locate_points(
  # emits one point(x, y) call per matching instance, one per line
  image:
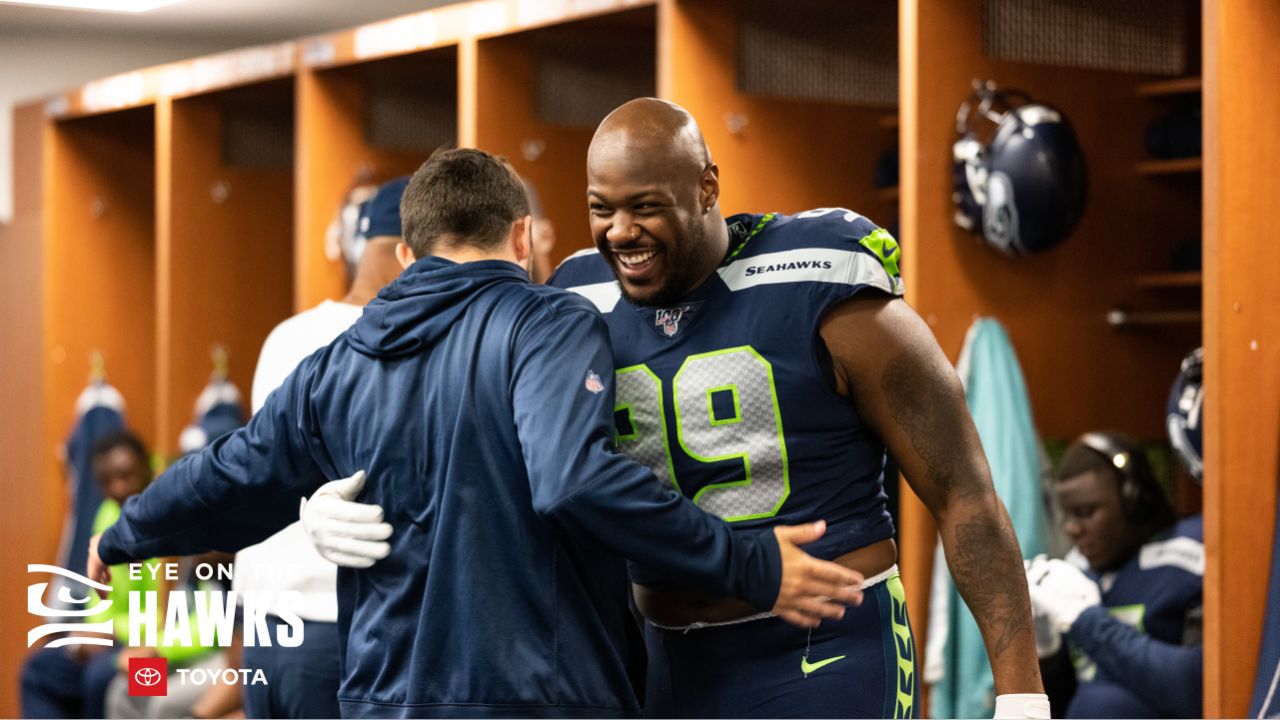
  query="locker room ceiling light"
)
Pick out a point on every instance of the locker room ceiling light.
point(118, 6)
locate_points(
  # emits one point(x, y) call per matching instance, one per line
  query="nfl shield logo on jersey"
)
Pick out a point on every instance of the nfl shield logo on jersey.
point(593, 383)
point(669, 320)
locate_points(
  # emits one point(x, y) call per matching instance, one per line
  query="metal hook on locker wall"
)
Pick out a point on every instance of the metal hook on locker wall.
point(221, 359)
point(532, 148)
point(97, 367)
point(736, 122)
point(220, 191)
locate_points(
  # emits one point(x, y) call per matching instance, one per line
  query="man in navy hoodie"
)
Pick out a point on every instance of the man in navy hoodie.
point(482, 408)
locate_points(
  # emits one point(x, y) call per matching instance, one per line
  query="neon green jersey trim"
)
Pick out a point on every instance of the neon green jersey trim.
point(905, 703)
point(768, 218)
point(885, 248)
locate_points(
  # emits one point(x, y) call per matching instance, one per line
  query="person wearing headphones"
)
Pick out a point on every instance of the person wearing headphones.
point(1127, 598)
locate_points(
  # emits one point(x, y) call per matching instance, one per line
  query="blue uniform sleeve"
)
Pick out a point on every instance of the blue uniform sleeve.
point(236, 492)
point(1164, 675)
point(563, 395)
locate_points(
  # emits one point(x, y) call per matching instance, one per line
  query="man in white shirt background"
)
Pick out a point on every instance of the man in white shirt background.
point(303, 681)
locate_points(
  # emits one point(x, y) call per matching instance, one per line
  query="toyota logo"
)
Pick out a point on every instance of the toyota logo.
point(147, 677)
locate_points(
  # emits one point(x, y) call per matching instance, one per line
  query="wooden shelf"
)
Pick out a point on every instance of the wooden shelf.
point(1169, 88)
point(888, 121)
point(889, 194)
point(1170, 167)
point(1169, 280)
point(1121, 317)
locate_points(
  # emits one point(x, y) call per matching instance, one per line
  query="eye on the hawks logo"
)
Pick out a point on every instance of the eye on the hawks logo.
point(594, 383)
point(148, 677)
point(669, 320)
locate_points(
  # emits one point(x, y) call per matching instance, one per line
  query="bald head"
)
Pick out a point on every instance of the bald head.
point(650, 129)
point(653, 193)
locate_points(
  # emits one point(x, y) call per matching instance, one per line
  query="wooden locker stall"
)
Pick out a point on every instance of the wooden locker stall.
point(793, 105)
point(1242, 340)
point(362, 122)
point(99, 292)
point(32, 524)
point(1082, 373)
point(225, 238)
point(540, 94)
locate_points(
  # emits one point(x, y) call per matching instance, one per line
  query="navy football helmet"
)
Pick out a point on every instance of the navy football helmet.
point(1023, 189)
point(1185, 415)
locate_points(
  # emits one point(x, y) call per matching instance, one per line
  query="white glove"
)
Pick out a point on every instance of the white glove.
point(1022, 705)
point(1048, 640)
point(1060, 592)
point(346, 533)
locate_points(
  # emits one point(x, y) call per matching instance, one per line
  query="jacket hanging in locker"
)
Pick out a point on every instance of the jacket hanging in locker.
point(955, 658)
point(99, 412)
point(219, 410)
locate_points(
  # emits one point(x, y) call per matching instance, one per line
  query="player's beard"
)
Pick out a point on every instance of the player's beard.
point(681, 266)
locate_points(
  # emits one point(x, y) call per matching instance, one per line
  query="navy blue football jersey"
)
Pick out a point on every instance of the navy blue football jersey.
point(1140, 653)
point(728, 394)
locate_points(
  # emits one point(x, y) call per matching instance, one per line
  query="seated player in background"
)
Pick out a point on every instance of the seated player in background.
point(187, 699)
point(72, 681)
point(1128, 597)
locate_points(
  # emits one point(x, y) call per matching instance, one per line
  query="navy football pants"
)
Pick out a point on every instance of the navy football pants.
point(57, 685)
point(860, 666)
point(302, 682)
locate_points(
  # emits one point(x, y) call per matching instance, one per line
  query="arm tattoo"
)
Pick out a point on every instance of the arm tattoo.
point(935, 437)
point(996, 594)
point(984, 556)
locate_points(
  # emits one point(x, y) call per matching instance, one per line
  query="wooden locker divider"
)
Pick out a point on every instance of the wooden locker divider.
point(1081, 374)
point(774, 154)
point(334, 153)
point(552, 157)
point(99, 269)
point(31, 527)
point(1242, 340)
point(225, 243)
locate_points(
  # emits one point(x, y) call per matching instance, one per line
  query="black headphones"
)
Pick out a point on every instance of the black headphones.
point(1139, 493)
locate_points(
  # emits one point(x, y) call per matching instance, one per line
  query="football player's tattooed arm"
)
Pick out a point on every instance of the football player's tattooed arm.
point(887, 361)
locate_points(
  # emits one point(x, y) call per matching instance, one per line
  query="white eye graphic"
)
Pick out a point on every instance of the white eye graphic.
point(67, 581)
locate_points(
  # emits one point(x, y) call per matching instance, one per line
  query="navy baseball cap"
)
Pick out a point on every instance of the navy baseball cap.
point(381, 214)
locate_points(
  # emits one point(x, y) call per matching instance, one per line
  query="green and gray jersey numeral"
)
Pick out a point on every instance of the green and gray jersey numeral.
point(752, 433)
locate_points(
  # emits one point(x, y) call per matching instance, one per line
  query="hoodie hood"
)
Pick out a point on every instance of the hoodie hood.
point(419, 307)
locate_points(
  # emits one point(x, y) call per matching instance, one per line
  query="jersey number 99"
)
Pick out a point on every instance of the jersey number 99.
point(751, 432)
